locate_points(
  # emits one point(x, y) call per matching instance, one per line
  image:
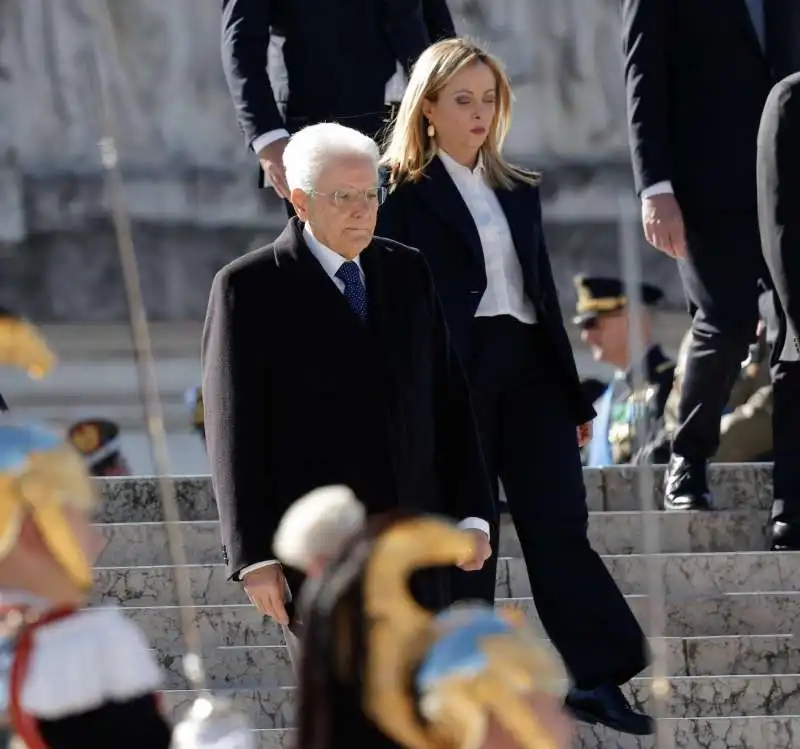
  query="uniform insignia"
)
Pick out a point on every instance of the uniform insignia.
point(584, 295)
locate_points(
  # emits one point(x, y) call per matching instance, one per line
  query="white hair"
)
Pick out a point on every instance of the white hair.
point(309, 149)
point(317, 525)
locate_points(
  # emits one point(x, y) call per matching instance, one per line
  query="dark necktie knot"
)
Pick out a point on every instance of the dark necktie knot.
point(354, 290)
point(349, 272)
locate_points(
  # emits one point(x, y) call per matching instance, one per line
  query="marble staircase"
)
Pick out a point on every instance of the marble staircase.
point(731, 607)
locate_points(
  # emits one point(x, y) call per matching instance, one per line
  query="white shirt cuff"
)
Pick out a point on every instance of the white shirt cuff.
point(659, 188)
point(268, 138)
point(475, 524)
point(256, 566)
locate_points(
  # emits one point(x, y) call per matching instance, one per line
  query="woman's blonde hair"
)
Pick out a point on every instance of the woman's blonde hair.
point(409, 149)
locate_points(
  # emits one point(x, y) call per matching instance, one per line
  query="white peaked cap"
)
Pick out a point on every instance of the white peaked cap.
point(317, 525)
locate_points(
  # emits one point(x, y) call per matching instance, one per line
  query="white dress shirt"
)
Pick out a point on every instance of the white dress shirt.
point(331, 262)
point(505, 287)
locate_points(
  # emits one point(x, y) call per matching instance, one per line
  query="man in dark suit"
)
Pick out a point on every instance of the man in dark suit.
point(778, 170)
point(326, 360)
point(698, 73)
point(338, 56)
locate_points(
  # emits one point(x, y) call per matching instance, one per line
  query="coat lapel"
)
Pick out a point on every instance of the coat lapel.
point(442, 196)
point(521, 227)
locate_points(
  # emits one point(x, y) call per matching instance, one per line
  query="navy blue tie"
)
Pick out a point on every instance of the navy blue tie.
point(354, 290)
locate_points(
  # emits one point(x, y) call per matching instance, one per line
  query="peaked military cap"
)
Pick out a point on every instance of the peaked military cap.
point(95, 439)
point(599, 295)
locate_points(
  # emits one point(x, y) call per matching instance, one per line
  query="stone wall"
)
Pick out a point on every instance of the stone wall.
point(190, 181)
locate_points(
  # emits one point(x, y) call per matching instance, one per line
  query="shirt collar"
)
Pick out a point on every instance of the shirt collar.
point(456, 170)
point(329, 260)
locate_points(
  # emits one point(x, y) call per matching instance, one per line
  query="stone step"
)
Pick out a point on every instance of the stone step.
point(735, 487)
point(728, 614)
point(684, 576)
point(131, 544)
point(252, 666)
point(751, 732)
point(690, 697)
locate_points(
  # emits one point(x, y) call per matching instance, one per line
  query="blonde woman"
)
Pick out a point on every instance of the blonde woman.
point(478, 221)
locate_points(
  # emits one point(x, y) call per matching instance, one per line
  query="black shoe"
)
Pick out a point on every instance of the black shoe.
point(607, 705)
point(785, 528)
point(686, 485)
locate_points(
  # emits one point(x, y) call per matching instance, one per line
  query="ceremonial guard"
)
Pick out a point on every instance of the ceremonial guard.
point(379, 670)
point(98, 440)
point(70, 676)
point(602, 313)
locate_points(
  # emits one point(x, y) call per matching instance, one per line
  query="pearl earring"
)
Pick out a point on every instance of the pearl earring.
point(431, 130)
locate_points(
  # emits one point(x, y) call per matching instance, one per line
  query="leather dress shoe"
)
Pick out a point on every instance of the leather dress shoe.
point(607, 705)
point(785, 529)
point(686, 485)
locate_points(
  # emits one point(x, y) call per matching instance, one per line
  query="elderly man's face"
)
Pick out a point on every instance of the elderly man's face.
point(343, 208)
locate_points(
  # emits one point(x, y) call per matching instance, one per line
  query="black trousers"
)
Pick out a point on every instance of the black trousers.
point(531, 444)
point(721, 278)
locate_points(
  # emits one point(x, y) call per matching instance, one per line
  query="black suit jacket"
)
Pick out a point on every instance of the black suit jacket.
point(338, 56)
point(779, 206)
point(432, 216)
point(298, 393)
point(697, 79)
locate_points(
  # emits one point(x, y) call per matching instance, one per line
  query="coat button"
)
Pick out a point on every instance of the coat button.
point(474, 291)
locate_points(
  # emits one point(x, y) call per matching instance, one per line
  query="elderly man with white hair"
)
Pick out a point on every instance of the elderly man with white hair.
point(326, 360)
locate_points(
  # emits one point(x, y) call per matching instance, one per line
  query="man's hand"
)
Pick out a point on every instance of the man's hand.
point(271, 158)
point(483, 550)
point(584, 434)
point(663, 225)
point(266, 589)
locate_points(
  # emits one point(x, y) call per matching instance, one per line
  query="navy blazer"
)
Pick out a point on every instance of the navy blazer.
point(432, 216)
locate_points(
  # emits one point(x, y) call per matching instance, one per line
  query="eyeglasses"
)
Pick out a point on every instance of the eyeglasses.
point(353, 198)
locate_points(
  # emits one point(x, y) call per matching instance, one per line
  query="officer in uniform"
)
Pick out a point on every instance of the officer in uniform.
point(98, 440)
point(603, 316)
point(194, 401)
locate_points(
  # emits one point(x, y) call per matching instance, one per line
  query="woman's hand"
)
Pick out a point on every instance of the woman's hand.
point(584, 434)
